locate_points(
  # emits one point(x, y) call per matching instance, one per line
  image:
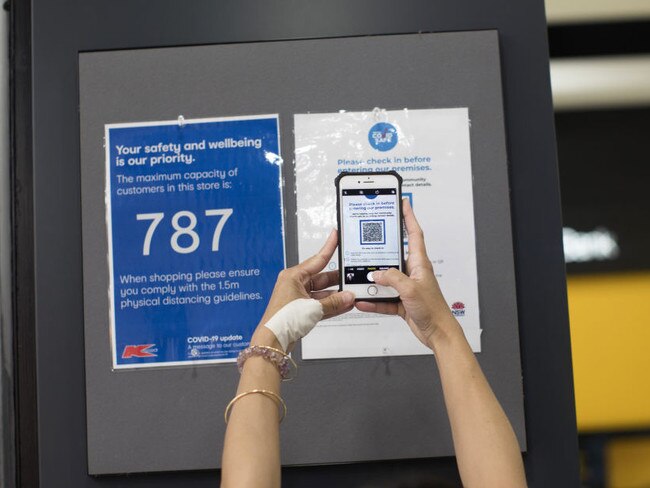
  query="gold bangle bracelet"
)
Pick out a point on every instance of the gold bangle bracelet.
point(267, 393)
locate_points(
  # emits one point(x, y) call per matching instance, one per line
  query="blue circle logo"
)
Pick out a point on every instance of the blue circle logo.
point(383, 136)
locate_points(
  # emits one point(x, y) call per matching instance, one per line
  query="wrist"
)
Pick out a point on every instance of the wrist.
point(265, 337)
point(446, 331)
point(258, 368)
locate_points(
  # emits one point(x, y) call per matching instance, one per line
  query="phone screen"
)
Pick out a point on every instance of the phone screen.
point(371, 232)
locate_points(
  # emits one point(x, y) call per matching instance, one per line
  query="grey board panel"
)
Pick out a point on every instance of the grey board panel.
point(340, 410)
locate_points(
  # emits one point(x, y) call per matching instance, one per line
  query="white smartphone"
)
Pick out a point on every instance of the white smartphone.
point(369, 211)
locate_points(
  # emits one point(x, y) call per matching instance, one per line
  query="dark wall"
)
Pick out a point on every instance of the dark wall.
point(603, 157)
point(604, 175)
point(49, 315)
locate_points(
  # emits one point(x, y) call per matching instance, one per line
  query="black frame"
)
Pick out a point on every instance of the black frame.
point(50, 385)
point(22, 196)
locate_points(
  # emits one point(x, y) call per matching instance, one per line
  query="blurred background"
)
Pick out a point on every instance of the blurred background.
point(600, 72)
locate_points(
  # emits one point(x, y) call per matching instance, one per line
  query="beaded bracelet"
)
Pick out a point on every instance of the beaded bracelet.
point(282, 361)
point(267, 393)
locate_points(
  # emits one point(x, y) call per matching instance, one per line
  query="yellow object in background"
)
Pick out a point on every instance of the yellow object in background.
point(628, 463)
point(610, 341)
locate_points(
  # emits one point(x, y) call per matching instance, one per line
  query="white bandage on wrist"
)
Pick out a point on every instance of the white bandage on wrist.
point(295, 320)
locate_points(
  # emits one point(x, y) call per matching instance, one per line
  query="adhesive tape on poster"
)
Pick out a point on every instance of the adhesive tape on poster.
point(295, 320)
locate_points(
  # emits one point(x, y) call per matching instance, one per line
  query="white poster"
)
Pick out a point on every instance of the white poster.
point(430, 149)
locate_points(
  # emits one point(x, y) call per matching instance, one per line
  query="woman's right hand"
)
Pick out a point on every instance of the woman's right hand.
point(486, 447)
point(421, 303)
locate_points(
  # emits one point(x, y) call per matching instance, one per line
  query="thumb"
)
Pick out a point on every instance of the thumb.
point(395, 278)
point(337, 303)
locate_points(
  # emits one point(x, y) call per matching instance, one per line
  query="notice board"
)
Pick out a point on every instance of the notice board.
point(341, 410)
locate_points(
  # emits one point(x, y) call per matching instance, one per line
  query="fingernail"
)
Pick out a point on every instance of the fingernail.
point(347, 297)
point(376, 275)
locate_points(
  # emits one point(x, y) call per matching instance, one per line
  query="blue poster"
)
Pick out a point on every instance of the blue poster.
point(196, 238)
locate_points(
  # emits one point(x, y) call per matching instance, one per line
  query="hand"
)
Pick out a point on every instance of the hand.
point(421, 302)
point(306, 280)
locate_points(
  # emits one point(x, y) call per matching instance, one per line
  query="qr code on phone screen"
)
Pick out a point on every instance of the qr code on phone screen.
point(372, 232)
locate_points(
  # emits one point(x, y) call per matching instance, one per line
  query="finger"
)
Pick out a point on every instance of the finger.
point(386, 308)
point(417, 248)
point(404, 285)
point(324, 280)
point(319, 295)
point(337, 303)
point(318, 261)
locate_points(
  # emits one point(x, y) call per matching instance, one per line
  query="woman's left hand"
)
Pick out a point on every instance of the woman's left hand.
point(306, 280)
